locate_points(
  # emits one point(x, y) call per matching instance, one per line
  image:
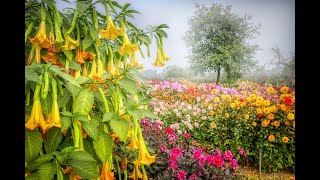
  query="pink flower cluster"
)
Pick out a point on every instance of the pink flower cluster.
point(174, 154)
point(217, 160)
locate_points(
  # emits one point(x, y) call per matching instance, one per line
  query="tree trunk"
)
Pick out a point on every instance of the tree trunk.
point(218, 77)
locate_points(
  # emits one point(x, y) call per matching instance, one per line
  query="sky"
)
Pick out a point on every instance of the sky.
point(276, 17)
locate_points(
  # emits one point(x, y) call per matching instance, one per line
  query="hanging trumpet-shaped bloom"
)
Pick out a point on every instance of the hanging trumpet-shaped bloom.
point(93, 71)
point(159, 60)
point(36, 118)
point(79, 57)
point(118, 66)
point(134, 143)
point(127, 47)
point(144, 156)
point(136, 173)
point(53, 118)
point(87, 55)
point(163, 55)
point(84, 70)
point(100, 67)
point(70, 43)
point(106, 173)
point(112, 32)
point(134, 61)
point(110, 68)
point(41, 37)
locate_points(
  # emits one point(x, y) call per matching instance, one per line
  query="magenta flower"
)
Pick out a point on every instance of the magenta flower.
point(217, 150)
point(163, 148)
point(233, 163)
point(242, 152)
point(196, 154)
point(187, 135)
point(193, 176)
point(202, 160)
point(228, 155)
point(181, 175)
point(176, 151)
point(172, 166)
point(173, 158)
point(218, 160)
point(209, 159)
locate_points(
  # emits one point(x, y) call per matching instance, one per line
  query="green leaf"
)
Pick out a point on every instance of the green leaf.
point(82, 7)
point(161, 32)
point(162, 26)
point(144, 38)
point(46, 104)
point(44, 158)
point(106, 76)
point(94, 32)
point(63, 75)
point(80, 117)
point(85, 169)
point(84, 102)
point(68, 54)
point(131, 25)
point(81, 156)
point(136, 113)
point(47, 171)
point(83, 79)
point(62, 58)
point(67, 1)
point(87, 42)
point(145, 101)
point(129, 85)
point(125, 6)
point(133, 11)
point(31, 74)
point(63, 100)
point(88, 146)
point(53, 138)
point(74, 90)
point(67, 114)
point(149, 114)
point(65, 123)
point(33, 144)
point(108, 116)
point(74, 65)
point(91, 128)
point(33, 176)
point(120, 127)
point(103, 146)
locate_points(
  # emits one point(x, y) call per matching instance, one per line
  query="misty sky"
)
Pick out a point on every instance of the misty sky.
point(276, 17)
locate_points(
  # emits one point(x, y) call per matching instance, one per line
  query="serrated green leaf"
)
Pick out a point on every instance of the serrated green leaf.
point(74, 90)
point(83, 102)
point(31, 74)
point(67, 114)
point(83, 79)
point(87, 42)
point(80, 117)
point(46, 104)
point(85, 169)
point(82, 7)
point(74, 65)
point(88, 146)
point(81, 156)
point(120, 127)
point(129, 85)
point(47, 171)
point(149, 114)
point(65, 123)
point(108, 116)
point(33, 144)
point(103, 146)
point(91, 128)
point(53, 138)
point(33, 176)
point(44, 158)
point(63, 100)
point(63, 75)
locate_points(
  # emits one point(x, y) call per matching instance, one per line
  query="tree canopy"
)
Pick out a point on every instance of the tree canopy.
point(217, 40)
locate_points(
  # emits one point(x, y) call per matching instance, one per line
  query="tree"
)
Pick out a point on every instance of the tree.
point(217, 40)
point(287, 63)
point(174, 72)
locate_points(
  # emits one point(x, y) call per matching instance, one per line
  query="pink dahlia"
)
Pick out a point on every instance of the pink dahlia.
point(228, 155)
point(176, 151)
point(233, 163)
point(218, 160)
point(181, 175)
point(196, 154)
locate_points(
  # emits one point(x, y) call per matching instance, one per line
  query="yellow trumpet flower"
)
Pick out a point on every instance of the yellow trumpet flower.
point(112, 32)
point(159, 60)
point(136, 173)
point(41, 37)
point(84, 70)
point(53, 118)
point(134, 143)
point(93, 71)
point(163, 55)
point(134, 61)
point(79, 57)
point(118, 66)
point(127, 47)
point(100, 68)
point(106, 173)
point(70, 43)
point(36, 119)
point(144, 156)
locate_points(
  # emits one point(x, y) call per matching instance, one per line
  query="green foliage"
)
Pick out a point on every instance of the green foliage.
point(52, 140)
point(103, 146)
point(33, 144)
